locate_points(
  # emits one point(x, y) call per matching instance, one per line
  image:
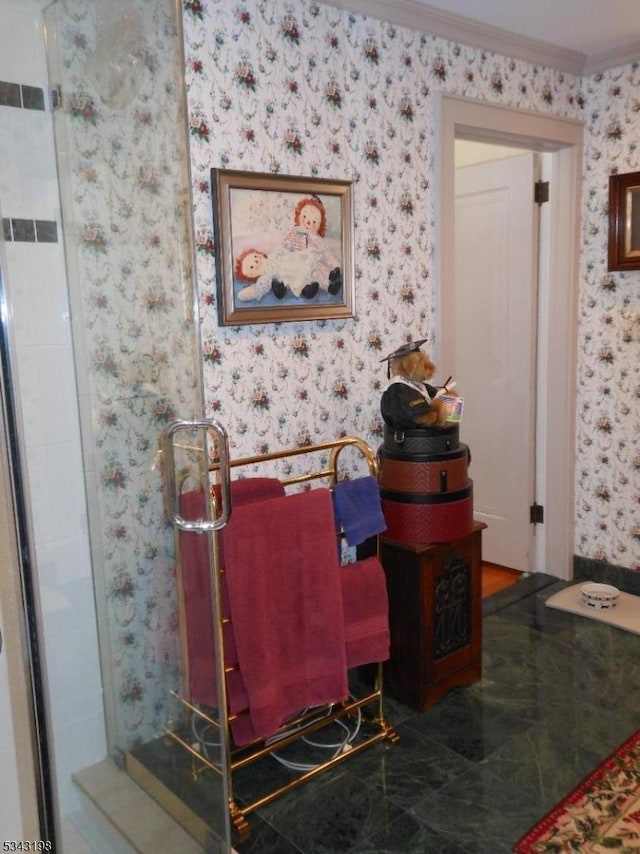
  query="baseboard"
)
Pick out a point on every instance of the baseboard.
point(588, 569)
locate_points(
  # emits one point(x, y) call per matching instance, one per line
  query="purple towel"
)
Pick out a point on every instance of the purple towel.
point(357, 509)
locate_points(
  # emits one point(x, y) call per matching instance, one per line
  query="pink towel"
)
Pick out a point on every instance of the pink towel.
point(366, 612)
point(285, 593)
point(198, 632)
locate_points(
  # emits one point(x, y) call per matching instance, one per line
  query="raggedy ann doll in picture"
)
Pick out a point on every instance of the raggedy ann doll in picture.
point(308, 233)
point(261, 273)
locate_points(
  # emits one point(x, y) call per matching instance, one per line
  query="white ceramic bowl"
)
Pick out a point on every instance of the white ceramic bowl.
point(596, 595)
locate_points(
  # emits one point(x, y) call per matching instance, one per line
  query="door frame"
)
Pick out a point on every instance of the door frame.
point(464, 118)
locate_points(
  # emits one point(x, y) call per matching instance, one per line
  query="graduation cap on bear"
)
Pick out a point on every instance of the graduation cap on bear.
point(402, 351)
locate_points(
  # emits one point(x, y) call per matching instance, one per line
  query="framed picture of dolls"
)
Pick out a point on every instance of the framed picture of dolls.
point(283, 247)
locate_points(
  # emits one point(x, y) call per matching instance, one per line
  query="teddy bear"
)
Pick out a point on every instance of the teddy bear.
point(409, 401)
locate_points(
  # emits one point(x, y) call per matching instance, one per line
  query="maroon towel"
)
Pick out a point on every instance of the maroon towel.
point(285, 593)
point(196, 582)
point(366, 612)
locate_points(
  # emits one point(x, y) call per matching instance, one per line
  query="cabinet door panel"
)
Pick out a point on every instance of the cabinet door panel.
point(435, 615)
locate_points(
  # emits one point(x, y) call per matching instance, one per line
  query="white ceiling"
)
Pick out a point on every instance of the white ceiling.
point(580, 36)
point(586, 26)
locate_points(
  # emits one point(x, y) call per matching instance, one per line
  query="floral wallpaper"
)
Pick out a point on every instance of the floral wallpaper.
point(298, 88)
point(608, 403)
point(304, 89)
point(123, 174)
point(301, 88)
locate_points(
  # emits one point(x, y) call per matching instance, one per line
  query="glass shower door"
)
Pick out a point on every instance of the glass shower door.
point(116, 71)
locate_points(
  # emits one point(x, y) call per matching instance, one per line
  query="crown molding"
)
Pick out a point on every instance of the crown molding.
point(621, 55)
point(417, 16)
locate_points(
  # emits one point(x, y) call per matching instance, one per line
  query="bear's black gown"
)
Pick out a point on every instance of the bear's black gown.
point(402, 403)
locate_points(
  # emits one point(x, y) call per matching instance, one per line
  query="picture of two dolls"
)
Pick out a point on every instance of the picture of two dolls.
point(283, 247)
point(299, 263)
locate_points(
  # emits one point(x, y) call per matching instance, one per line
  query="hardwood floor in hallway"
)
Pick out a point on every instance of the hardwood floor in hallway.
point(496, 578)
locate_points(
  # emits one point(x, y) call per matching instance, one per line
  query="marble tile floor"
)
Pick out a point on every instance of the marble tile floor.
point(469, 776)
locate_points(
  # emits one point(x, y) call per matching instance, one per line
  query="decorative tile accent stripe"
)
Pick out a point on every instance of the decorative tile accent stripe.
point(24, 230)
point(17, 95)
point(30, 230)
point(10, 94)
point(46, 231)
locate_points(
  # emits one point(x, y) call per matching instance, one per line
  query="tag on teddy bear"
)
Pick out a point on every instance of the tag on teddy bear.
point(454, 407)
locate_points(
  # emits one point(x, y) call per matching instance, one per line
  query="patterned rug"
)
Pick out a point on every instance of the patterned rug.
point(601, 815)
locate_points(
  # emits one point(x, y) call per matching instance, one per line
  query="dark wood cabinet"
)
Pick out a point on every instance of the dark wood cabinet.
point(435, 616)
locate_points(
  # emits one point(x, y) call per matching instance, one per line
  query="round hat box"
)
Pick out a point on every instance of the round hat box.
point(426, 494)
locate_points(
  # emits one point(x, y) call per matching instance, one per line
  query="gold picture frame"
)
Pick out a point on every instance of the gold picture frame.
point(624, 221)
point(283, 247)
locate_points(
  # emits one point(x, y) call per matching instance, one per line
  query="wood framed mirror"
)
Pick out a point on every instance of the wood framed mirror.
point(624, 221)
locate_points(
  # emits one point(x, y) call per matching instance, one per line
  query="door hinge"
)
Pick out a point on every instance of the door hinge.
point(56, 97)
point(541, 192)
point(536, 514)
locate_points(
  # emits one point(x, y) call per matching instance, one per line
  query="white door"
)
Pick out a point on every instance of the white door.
point(493, 325)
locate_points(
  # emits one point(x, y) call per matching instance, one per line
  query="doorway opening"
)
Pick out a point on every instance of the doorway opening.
point(555, 344)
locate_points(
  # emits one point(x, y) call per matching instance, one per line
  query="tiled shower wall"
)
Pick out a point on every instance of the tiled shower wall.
point(43, 357)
